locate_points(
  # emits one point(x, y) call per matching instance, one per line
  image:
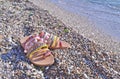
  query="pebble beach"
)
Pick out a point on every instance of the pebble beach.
point(85, 60)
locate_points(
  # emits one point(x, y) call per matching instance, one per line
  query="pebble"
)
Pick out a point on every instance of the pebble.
point(86, 76)
point(1, 38)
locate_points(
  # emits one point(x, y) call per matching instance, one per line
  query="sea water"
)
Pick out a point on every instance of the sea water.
point(104, 13)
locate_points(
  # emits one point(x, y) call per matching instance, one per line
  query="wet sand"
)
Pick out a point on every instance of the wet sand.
point(82, 25)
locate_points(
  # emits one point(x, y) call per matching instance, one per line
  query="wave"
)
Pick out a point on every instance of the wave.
point(113, 4)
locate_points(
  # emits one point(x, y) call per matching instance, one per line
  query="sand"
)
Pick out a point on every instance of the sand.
point(81, 25)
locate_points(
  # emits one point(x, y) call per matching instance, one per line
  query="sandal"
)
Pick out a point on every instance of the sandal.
point(41, 56)
point(53, 41)
point(37, 52)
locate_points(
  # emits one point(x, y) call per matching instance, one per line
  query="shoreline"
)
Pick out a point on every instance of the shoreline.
point(81, 25)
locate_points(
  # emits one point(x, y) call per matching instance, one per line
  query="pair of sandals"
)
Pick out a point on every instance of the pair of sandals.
point(37, 47)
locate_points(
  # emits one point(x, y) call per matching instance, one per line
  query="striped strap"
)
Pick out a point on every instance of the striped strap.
point(55, 40)
point(49, 39)
point(32, 43)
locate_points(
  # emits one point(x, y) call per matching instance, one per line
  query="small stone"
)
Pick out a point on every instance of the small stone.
point(86, 76)
point(46, 68)
point(1, 37)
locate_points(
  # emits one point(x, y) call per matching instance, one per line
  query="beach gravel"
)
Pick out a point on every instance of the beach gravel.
point(85, 60)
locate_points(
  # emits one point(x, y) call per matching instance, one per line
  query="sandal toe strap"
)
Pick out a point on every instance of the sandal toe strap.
point(40, 56)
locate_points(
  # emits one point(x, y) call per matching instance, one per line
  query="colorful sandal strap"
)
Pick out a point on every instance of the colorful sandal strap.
point(32, 43)
point(50, 39)
point(54, 41)
point(29, 44)
point(46, 36)
point(41, 34)
point(44, 48)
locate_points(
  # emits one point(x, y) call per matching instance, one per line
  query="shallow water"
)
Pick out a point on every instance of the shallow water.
point(104, 13)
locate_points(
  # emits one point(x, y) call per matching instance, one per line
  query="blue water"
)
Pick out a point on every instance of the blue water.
point(104, 13)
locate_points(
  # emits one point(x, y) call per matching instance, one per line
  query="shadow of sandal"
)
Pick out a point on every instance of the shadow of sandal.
point(15, 55)
point(15, 63)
